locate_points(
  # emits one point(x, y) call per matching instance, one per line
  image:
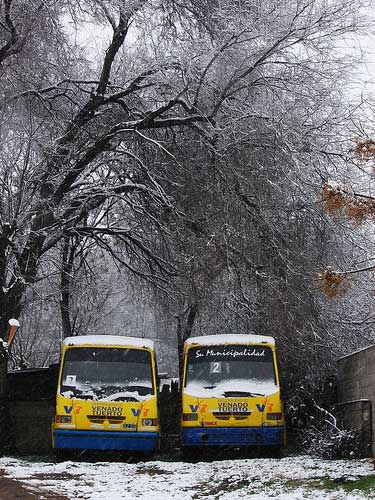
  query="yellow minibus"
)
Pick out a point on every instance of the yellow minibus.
point(106, 395)
point(231, 393)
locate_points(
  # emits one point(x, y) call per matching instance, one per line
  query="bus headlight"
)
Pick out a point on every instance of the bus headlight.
point(149, 421)
point(63, 419)
point(189, 417)
point(274, 416)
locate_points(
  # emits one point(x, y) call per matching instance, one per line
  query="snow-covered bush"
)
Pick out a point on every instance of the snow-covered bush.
point(322, 437)
point(303, 395)
point(313, 429)
point(329, 442)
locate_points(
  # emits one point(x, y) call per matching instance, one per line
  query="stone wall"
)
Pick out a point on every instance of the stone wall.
point(356, 395)
point(357, 415)
point(31, 398)
point(31, 426)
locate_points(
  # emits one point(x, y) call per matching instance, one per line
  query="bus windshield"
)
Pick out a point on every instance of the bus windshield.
point(230, 371)
point(107, 374)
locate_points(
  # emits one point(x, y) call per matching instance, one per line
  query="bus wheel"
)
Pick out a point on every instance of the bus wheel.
point(191, 453)
point(275, 451)
point(60, 454)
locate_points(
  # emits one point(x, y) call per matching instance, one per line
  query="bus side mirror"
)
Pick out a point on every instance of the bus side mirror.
point(159, 377)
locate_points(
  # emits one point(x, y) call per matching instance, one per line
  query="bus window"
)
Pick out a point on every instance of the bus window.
point(230, 367)
point(104, 373)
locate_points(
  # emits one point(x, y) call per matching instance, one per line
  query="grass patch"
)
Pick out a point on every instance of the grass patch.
point(58, 476)
point(152, 470)
point(365, 484)
point(226, 485)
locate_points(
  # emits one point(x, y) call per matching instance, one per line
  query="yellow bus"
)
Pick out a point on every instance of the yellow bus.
point(106, 395)
point(231, 393)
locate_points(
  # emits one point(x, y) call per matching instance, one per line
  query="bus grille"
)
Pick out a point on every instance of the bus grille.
point(225, 415)
point(95, 419)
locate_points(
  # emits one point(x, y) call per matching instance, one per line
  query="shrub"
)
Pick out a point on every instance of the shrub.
point(329, 442)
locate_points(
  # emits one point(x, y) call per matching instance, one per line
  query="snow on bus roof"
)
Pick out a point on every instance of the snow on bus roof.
point(117, 340)
point(228, 339)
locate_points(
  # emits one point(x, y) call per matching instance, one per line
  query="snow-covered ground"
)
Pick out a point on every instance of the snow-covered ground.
point(289, 478)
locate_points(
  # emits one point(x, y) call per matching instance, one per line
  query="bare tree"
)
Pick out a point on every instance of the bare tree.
point(78, 143)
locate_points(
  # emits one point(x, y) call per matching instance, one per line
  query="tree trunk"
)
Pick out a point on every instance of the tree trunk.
point(3, 396)
point(68, 254)
point(185, 323)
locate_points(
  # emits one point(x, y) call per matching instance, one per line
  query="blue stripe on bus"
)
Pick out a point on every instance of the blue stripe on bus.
point(103, 440)
point(232, 436)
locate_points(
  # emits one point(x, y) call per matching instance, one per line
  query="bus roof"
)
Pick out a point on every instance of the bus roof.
point(228, 339)
point(109, 340)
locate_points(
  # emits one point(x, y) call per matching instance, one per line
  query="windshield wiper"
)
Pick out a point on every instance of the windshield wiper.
point(241, 394)
point(143, 390)
point(74, 390)
point(114, 393)
point(77, 393)
point(124, 399)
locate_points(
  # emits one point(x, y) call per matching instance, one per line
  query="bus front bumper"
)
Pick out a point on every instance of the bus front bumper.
point(232, 436)
point(103, 440)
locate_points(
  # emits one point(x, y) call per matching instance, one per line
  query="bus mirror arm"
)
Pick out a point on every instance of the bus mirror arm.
point(159, 377)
